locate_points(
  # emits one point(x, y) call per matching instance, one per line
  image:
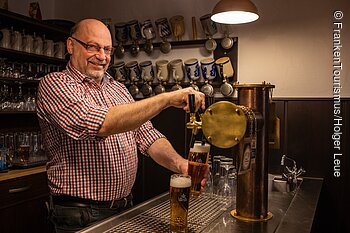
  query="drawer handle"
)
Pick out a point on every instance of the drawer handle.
point(19, 190)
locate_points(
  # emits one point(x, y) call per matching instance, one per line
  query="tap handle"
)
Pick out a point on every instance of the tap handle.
point(192, 103)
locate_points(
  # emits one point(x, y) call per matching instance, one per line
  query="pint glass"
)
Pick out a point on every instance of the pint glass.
point(197, 165)
point(179, 199)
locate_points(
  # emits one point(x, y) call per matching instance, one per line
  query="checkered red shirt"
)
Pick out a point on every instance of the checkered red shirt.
point(71, 109)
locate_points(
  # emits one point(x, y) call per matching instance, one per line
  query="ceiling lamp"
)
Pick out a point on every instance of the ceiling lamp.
point(234, 12)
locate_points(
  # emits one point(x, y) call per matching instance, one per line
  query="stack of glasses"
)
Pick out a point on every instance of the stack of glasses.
point(221, 182)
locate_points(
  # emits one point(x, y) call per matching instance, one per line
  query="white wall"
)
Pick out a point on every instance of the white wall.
point(289, 46)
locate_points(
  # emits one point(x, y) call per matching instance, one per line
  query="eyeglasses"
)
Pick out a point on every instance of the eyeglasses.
point(93, 48)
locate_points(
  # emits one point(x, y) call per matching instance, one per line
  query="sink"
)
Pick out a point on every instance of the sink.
point(277, 184)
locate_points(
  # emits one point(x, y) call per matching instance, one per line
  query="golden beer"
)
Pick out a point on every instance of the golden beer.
point(197, 166)
point(180, 186)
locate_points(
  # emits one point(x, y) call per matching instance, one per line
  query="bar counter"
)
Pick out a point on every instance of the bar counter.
point(292, 212)
point(16, 173)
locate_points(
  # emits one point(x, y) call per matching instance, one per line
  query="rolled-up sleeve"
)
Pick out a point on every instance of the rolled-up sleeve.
point(146, 135)
point(62, 102)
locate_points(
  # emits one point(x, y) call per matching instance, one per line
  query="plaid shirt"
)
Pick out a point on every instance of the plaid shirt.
point(71, 109)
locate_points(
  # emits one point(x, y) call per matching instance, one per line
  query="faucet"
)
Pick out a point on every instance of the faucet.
point(290, 173)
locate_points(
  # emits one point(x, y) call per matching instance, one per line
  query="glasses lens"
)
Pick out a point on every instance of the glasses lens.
point(109, 51)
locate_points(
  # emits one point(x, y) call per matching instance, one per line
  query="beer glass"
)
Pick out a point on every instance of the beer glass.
point(197, 165)
point(179, 200)
point(24, 147)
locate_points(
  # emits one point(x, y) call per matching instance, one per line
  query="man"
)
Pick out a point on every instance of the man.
point(92, 128)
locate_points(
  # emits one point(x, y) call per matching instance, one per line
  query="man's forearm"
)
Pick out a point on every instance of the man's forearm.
point(162, 152)
point(128, 117)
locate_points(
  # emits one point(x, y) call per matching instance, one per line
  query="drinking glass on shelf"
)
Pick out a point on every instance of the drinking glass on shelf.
point(6, 102)
point(19, 101)
point(24, 147)
point(10, 145)
point(29, 104)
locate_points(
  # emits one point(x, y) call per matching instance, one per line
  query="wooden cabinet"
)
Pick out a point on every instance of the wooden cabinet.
point(22, 204)
point(22, 198)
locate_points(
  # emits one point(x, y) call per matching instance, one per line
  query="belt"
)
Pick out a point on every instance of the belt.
point(82, 202)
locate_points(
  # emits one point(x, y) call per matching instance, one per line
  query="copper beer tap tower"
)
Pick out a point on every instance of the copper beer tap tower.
point(225, 125)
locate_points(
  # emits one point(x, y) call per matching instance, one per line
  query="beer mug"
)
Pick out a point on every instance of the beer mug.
point(16, 40)
point(38, 45)
point(120, 71)
point(179, 201)
point(162, 70)
point(147, 73)
point(197, 165)
point(5, 42)
point(163, 27)
point(134, 29)
point(133, 71)
point(192, 69)
point(147, 30)
point(48, 48)
point(178, 26)
point(28, 43)
point(177, 70)
point(208, 68)
point(224, 67)
point(59, 49)
point(121, 32)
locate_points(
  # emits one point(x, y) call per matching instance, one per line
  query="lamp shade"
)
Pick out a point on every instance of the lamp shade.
point(234, 12)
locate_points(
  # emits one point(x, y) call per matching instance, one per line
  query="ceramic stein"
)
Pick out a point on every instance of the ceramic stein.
point(163, 27)
point(134, 71)
point(192, 69)
point(120, 71)
point(224, 67)
point(208, 68)
point(59, 49)
point(28, 43)
point(16, 40)
point(121, 32)
point(48, 48)
point(209, 26)
point(6, 38)
point(162, 70)
point(177, 70)
point(134, 30)
point(178, 26)
point(38, 45)
point(147, 30)
point(147, 73)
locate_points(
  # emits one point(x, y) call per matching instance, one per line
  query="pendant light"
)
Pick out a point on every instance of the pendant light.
point(234, 12)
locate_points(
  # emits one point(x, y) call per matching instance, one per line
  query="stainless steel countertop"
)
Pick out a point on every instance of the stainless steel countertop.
point(292, 212)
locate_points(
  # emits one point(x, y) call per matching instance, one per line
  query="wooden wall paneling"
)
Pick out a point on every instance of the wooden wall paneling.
point(309, 130)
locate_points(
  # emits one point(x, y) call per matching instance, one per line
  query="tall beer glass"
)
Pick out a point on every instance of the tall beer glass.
point(179, 200)
point(198, 165)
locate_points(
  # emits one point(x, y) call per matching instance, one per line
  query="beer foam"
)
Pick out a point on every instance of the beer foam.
point(180, 182)
point(198, 147)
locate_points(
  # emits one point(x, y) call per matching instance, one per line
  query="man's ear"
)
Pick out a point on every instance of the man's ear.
point(69, 45)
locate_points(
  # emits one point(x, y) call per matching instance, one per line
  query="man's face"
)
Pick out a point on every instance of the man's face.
point(91, 63)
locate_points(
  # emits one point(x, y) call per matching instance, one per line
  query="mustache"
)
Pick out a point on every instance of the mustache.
point(102, 63)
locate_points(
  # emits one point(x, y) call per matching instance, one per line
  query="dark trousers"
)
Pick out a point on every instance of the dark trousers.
point(72, 216)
